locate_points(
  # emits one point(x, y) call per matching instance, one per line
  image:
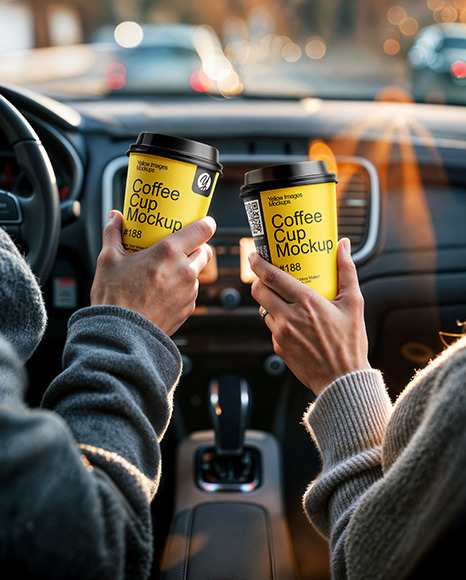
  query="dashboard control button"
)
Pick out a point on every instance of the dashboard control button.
point(230, 298)
point(9, 209)
point(274, 365)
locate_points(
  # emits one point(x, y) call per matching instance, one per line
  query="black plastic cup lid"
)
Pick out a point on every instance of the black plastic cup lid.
point(287, 175)
point(177, 148)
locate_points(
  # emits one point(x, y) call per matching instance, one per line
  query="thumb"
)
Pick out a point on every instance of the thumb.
point(347, 274)
point(193, 235)
point(112, 236)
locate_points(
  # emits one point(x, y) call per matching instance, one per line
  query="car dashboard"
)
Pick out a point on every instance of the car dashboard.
point(401, 197)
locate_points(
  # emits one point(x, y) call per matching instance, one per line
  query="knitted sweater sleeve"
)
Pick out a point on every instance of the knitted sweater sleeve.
point(392, 484)
point(79, 474)
point(347, 422)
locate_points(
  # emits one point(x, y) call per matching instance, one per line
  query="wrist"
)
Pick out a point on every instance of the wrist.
point(359, 396)
point(319, 384)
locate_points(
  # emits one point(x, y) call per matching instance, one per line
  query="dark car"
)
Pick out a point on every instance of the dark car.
point(438, 61)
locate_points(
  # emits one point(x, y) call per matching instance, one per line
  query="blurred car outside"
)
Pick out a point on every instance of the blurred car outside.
point(167, 57)
point(157, 59)
point(438, 62)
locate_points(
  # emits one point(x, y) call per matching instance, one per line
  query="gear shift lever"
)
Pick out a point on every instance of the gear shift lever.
point(229, 465)
point(229, 413)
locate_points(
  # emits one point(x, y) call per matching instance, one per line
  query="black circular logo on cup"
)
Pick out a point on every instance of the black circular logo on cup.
point(204, 182)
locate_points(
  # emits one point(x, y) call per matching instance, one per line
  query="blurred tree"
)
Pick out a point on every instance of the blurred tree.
point(362, 20)
point(333, 19)
point(39, 9)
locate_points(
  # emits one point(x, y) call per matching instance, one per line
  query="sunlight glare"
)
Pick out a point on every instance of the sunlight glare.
point(320, 150)
point(246, 246)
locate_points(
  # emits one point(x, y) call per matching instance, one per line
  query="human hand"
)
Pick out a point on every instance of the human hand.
point(159, 282)
point(319, 340)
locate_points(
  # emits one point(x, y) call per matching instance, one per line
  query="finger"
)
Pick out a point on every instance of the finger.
point(112, 236)
point(194, 235)
point(347, 274)
point(266, 297)
point(268, 319)
point(280, 282)
point(200, 257)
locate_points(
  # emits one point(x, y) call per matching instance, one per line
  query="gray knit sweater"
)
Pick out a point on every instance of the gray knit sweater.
point(22, 310)
point(393, 481)
point(77, 476)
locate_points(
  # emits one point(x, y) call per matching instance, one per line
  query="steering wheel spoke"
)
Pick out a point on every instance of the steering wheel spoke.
point(10, 209)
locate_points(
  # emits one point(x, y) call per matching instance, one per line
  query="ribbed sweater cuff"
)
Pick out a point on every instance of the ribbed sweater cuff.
point(349, 416)
point(108, 320)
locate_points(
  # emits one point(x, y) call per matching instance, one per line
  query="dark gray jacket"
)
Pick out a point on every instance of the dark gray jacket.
point(77, 476)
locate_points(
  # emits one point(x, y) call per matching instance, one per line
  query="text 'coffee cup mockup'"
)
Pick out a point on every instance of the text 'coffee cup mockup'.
point(292, 215)
point(170, 184)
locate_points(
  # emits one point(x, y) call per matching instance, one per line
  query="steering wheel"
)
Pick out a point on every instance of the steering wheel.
point(33, 221)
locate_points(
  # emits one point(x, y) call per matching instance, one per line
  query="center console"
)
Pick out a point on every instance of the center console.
point(229, 517)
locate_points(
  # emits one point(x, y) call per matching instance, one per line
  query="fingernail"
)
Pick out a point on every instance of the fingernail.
point(347, 245)
point(111, 215)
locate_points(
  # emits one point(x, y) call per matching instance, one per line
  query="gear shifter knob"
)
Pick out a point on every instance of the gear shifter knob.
point(229, 408)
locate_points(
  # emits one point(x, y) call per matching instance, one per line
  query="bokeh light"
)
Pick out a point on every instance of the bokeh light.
point(391, 47)
point(435, 4)
point(449, 14)
point(128, 34)
point(291, 52)
point(230, 85)
point(200, 82)
point(458, 69)
point(216, 66)
point(315, 48)
point(409, 26)
point(115, 81)
point(396, 15)
point(239, 52)
point(115, 76)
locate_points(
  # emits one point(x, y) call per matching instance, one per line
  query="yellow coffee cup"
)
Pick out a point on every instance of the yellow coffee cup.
point(291, 209)
point(170, 184)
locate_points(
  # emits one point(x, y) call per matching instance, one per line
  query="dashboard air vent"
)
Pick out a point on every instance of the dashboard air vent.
point(358, 205)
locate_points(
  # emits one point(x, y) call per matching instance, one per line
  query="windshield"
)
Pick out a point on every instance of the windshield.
point(336, 49)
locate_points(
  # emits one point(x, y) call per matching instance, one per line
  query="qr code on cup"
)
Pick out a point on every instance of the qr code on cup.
point(263, 251)
point(254, 217)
